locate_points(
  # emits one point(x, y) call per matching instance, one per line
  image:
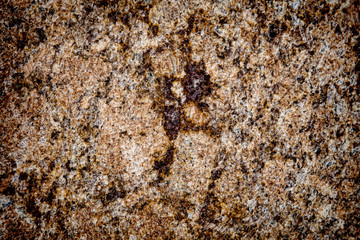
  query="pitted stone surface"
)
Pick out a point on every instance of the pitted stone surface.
point(179, 119)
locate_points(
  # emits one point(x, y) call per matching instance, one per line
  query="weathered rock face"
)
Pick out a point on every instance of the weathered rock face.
point(179, 119)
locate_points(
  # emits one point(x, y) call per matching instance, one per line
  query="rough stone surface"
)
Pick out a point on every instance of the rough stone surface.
point(179, 119)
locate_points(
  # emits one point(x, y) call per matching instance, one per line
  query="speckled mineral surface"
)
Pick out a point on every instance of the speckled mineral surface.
point(151, 119)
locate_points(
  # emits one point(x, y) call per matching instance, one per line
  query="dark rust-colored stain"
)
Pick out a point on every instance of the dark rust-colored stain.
point(51, 195)
point(212, 205)
point(41, 34)
point(172, 122)
point(115, 191)
point(197, 82)
point(203, 106)
point(52, 165)
point(190, 22)
point(10, 190)
point(68, 166)
point(33, 209)
point(146, 65)
point(210, 209)
point(114, 194)
point(275, 29)
point(171, 113)
point(32, 183)
point(16, 22)
point(163, 165)
point(22, 41)
point(154, 29)
point(338, 30)
point(356, 49)
point(166, 89)
point(55, 134)
point(23, 176)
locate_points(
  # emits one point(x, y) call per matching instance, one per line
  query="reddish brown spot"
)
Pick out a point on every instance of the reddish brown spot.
point(166, 89)
point(172, 122)
point(190, 21)
point(196, 82)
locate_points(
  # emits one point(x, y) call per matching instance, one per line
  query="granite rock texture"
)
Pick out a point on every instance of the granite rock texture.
point(179, 119)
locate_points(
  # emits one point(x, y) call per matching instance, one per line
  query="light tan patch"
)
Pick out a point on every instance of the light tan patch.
point(177, 89)
point(168, 63)
point(191, 170)
point(130, 136)
point(195, 115)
